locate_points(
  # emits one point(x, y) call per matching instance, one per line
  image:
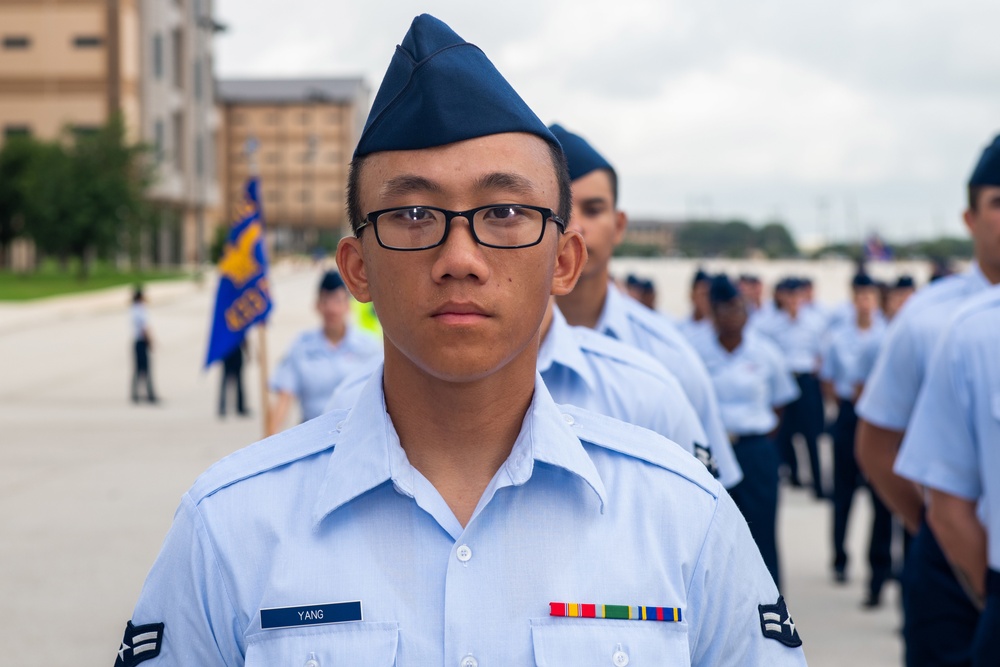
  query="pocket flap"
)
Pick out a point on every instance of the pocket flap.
point(356, 643)
point(584, 642)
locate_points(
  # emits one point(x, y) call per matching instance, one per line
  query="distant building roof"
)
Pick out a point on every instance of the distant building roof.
point(284, 91)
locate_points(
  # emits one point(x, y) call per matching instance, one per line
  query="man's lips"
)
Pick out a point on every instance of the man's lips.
point(460, 313)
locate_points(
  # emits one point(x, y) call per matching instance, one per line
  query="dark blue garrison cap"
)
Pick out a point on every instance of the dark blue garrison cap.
point(722, 289)
point(580, 155)
point(987, 172)
point(331, 281)
point(905, 282)
point(440, 89)
point(700, 277)
point(862, 280)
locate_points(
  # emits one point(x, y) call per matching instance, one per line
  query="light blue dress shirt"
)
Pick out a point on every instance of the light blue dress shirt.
point(632, 323)
point(892, 388)
point(585, 509)
point(313, 366)
point(800, 340)
point(953, 441)
point(584, 368)
point(750, 382)
point(694, 329)
point(847, 358)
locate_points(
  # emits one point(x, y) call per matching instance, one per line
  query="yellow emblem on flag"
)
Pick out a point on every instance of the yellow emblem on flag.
point(238, 262)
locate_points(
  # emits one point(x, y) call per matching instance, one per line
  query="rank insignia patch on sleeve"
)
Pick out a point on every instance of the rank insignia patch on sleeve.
point(704, 454)
point(140, 643)
point(776, 624)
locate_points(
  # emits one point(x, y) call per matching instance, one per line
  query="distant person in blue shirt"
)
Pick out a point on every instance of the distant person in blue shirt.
point(798, 332)
point(699, 322)
point(142, 344)
point(938, 616)
point(844, 373)
point(456, 515)
point(952, 449)
point(596, 303)
point(320, 359)
point(752, 384)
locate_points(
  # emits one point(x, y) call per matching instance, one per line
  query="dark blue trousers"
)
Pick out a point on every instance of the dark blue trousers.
point(846, 480)
point(757, 495)
point(804, 416)
point(939, 620)
point(986, 644)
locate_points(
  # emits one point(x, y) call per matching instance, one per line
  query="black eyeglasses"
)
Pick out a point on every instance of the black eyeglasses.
point(494, 226)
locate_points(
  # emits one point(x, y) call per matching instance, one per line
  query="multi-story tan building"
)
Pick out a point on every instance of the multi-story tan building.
point(74, 63)
point(303, 133)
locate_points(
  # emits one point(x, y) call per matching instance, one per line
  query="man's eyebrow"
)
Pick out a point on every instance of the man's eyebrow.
point(502, 180)
point(407, 184)
point(590, 201)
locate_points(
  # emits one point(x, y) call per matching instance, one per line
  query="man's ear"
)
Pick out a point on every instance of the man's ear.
point(621, 222)
point(571, 257)
point(351, 263)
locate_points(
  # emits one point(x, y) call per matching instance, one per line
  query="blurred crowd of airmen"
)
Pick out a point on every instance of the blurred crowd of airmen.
point(277, 546)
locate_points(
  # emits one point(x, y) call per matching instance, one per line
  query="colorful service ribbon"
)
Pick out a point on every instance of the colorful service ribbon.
point(617, 611)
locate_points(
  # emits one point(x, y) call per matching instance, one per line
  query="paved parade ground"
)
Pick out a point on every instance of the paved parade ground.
point(89, 482)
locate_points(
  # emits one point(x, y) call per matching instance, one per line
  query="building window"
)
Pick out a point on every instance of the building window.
point(158, 139)
point(16, 42)
point(333, 118)
point(198, 70)
point(177, 45)
point(333, 157)
point(272, 118)
point(334, 195)
point(273, 196)
point(274, 157)
point(88, 41)
point(306, 118)
point(158, 56)
point(305, 195)
point(10, 131)
point(85, 130)
point(239, 118)
point(178, 132)
point(199, 156)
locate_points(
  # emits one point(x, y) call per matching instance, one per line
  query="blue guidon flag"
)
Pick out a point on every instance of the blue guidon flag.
point(243, 298)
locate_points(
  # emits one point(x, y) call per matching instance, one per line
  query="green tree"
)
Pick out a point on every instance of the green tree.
point(83, 195)
point(15, 156)
point(774, 240)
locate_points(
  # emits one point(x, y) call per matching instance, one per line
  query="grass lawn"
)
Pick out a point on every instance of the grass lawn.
point(49, 281)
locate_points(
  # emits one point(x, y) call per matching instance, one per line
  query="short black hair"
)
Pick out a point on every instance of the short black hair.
point(356, 215)
point(613, 177)
point(974, 192)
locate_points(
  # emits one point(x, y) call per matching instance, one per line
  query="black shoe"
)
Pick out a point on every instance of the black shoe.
point(871, 601)
point(840, 575)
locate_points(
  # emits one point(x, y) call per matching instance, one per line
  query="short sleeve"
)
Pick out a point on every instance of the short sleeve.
point(891, 390)
point(939, 450)
point(186, 592)
point(728, 586)
point(828, 367)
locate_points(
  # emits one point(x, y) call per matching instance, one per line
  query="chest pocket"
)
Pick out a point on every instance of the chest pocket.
point(352, 644)
point(585, 642)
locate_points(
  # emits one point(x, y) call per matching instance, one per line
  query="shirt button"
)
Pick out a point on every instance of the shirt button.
point(469, 661)
point(464, 554)
point(569, 419)
point(620, 658)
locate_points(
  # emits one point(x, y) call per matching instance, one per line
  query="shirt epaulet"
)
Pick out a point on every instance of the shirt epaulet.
point(302, 441)
point(651, 321)
point(639, 443)
point(594, 343)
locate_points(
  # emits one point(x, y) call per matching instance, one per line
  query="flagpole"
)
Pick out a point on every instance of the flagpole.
point(265, 399)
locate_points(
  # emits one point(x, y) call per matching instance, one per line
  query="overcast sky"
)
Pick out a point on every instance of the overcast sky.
point(838, 117)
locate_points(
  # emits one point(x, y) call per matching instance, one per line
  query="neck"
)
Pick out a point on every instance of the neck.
point(457, 434)
point(730, 340)
point(864, 320)
point(335, 333)
point(583, 306)
point(990, 271)
point(547, 320)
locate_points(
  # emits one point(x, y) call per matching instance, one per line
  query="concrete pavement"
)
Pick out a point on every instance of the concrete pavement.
point(89, 482)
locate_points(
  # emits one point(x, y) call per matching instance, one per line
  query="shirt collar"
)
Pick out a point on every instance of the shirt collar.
point(977, 277)
point(368, 453)
point(561, 347)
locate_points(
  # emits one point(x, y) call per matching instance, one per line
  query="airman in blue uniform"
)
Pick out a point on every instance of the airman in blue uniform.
point(699, 322)
point(844, 374)
point(752, 384)
point(798, 332)
point(950, 448)
point(321, 359)
point(939, 617)
point(455, 515)
point(596, 303)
